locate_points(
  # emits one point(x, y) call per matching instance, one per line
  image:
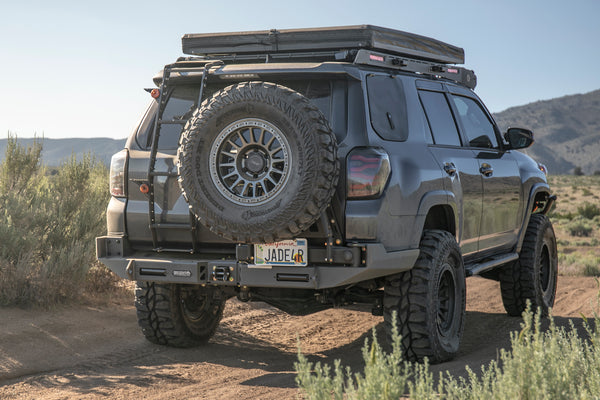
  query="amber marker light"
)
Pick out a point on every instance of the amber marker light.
point(155, 93)
point(144, 188)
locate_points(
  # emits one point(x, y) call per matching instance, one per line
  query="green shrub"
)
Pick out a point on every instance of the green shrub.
point(47, 225)
point(588, 210)
point(558, 215)
point(579, 227)
point(543, 364)
point(578, 264)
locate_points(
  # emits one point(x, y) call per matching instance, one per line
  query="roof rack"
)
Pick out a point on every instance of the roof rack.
point(363, 44)
point(461, 75)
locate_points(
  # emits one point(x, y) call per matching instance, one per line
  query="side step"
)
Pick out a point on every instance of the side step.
point(478, 268)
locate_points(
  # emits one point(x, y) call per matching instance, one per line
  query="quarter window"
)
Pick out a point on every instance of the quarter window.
point(387, 106)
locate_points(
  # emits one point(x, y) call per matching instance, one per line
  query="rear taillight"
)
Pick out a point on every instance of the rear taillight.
point(368, 170)
point(118, 165)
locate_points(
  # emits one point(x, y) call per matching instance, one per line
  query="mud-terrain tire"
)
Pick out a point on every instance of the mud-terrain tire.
point(429, 300)
point(257, 163)
point(177, 315)
point(533, 276)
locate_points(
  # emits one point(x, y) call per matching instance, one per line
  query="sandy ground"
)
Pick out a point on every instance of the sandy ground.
point(84, 352)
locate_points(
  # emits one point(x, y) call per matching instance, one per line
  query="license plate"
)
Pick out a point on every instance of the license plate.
point(292, 253)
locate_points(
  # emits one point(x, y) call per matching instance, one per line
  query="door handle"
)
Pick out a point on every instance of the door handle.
point(486, 170)
point(450, 168)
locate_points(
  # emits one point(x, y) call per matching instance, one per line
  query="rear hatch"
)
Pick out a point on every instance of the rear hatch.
point(175, 229)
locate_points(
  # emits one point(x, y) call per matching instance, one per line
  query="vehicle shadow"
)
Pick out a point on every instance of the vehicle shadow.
point(233, 350)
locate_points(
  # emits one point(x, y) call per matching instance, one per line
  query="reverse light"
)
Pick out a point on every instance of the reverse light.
point(368, 171)
point(118, 164)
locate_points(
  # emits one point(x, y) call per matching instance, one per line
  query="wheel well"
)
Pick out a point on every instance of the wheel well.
point(540, 201)
point(441, 217)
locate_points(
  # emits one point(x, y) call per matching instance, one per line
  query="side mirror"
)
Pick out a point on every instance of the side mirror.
point(519, 138)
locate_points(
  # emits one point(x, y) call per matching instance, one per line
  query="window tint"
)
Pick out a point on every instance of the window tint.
point(476, 125)
point(180, 106)
point(387, 106)
point(440, 118)
point(317, 91)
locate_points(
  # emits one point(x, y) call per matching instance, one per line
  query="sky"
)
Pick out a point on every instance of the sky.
point(78, 68)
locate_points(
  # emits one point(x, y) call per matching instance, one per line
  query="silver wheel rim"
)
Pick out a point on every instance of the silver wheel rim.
point(250, 161)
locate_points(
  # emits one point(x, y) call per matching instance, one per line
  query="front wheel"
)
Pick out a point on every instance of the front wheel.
point(177, 315)
point(429, 300)
point(533, 276)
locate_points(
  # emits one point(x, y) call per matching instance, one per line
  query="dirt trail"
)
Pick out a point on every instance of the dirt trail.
point(85, 352)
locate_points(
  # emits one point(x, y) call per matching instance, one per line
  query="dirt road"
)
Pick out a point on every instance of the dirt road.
point(86, 352)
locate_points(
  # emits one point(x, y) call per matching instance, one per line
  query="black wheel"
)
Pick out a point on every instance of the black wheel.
point(177, 315)
point(257, 163)
point(429, 300)
point(533, 276)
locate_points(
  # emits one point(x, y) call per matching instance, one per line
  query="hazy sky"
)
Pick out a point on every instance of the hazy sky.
point(78, 68)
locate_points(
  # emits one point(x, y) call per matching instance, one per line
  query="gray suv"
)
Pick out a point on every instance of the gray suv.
point(319, 168)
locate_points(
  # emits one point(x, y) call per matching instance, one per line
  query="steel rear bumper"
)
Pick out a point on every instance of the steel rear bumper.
point(196, 269)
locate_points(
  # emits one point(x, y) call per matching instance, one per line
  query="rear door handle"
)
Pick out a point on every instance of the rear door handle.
point(486, 169)
point(450, 168)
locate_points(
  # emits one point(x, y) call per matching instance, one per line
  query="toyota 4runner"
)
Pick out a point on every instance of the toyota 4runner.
point(319, 168)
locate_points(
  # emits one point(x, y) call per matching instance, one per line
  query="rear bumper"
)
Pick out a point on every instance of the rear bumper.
point(197, 269)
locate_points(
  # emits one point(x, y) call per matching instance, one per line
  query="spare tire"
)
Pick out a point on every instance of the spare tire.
point(257, 163)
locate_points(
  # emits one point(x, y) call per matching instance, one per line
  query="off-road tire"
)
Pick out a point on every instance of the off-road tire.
point(177, 315)
point(255, 211)
point(533, 276)
point(429, 300)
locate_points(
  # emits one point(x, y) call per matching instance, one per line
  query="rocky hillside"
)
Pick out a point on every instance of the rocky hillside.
point(566, 129)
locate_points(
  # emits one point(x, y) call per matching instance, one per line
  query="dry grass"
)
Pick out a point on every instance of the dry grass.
point(576, 219)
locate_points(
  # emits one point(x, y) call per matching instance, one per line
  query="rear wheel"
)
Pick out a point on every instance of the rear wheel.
point(177, 315)
point(429, 300)
point(533, 276)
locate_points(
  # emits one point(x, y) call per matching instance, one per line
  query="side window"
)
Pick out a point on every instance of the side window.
point(440, 118)
point(477, 127)
point(387, 106)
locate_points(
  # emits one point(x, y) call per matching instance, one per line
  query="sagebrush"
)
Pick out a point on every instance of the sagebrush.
point(48, 222)
point(543, 363)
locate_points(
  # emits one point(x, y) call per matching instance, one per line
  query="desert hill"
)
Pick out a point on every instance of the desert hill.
point(566, 129)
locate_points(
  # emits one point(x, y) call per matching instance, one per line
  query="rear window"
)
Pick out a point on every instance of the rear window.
point(387, 106)
point(318, 91)
point(183, 101)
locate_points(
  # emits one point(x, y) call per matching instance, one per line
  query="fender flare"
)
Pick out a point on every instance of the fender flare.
point(428, 201)
point(537, 188)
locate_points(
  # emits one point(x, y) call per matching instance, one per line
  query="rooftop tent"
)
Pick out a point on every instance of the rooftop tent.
point(323, 39)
